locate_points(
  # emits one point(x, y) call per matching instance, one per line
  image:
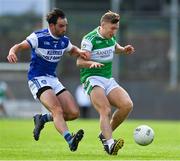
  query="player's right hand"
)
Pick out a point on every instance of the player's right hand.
point(96, 65)
point(12, 58)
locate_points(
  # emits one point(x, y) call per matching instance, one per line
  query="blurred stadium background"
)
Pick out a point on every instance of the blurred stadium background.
point(151, 75)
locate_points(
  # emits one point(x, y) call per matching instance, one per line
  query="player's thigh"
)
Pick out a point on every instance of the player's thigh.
point(49, 99)
point(99, 99)
point(118, 97)
point(68, 103)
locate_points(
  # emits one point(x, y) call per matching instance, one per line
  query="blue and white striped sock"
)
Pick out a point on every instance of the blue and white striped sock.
point(67, 137)
point(47, 118)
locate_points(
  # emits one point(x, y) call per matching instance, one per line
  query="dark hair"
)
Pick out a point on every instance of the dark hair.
point(54, 15)
point(111, 17)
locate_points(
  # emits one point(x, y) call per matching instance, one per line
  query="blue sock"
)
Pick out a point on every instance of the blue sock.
point(67, 136)
point(47, 118)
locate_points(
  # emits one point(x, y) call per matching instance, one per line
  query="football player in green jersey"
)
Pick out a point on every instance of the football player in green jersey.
point(97, 80)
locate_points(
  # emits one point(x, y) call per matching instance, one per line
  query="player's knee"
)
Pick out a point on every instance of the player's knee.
point(72, 114)
point(75, 114)
point(57, 111)
point(106, 111)
point(128, 105)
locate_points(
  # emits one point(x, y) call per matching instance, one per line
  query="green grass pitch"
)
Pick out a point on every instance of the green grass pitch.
point(16, 141)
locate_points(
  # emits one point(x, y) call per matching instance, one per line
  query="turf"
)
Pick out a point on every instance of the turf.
point(16, 141)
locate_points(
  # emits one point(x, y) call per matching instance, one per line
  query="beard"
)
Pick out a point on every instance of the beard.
point(59, 34)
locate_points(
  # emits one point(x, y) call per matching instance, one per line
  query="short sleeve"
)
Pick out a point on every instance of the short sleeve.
point(69, 47)
point(86, 45)
point(32, 40)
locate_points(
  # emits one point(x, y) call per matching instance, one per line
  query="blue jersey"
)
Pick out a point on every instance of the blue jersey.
point(47, 51)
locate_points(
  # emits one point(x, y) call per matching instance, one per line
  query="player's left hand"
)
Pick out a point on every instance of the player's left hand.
point(85, 55)
point(129, 49)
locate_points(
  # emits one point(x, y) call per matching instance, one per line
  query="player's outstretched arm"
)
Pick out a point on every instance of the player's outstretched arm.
point(82, 63)
point(128, 49)
point(12, 56)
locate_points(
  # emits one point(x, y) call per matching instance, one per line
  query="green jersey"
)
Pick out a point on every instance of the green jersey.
point(102, 51)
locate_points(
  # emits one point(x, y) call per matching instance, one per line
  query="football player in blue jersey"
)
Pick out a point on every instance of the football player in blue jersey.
point(47, 48)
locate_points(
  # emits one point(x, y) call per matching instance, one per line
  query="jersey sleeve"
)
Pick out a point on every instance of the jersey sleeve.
point(86, 45)
point(69, 47)
point(32, 40)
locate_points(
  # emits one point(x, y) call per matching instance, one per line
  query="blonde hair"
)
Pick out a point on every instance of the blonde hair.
point(111, 17)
